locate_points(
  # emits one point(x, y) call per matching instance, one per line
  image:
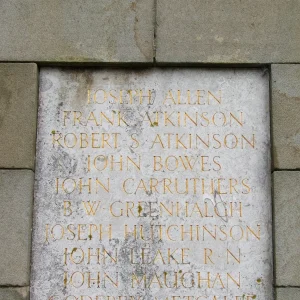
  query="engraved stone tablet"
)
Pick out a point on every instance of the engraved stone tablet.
point(152, 184)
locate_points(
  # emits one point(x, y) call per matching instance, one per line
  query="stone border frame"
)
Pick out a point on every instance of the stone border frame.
point(145, 33)
point(16, 275)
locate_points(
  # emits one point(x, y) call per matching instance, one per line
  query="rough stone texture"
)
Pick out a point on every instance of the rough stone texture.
point(16, 197)
point(287, 293)
point(18, 114)
point(287, 222)
point(286, 116)
point(14, 293)
point(63, 158)
point(232, 31)
point(77, 31)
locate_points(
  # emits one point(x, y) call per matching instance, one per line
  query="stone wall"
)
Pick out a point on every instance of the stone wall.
point(235, 33)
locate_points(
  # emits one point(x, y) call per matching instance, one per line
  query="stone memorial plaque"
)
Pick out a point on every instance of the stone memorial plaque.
point(152, 184)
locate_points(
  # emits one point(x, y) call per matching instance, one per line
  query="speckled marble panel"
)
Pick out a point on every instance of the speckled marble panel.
point(152, 184)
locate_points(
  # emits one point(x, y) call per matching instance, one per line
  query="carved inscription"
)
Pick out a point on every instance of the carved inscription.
point(152, 184)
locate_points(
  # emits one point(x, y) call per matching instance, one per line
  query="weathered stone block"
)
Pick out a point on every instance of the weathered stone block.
point(286, 116)
point(16, 197)
point(287, 223)
point(287, 293)
point(18, 113)
point(14, 293)
point(231, 31)
point(77, 31)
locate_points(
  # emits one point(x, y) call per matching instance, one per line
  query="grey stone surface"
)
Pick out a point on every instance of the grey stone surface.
point(148, 121)
point(287, 222)
point(232, 31)
point(288, 293)
point(14, 293)
point(16, 197)
point(18, 114)
point(286, 116)
point(77, 31)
